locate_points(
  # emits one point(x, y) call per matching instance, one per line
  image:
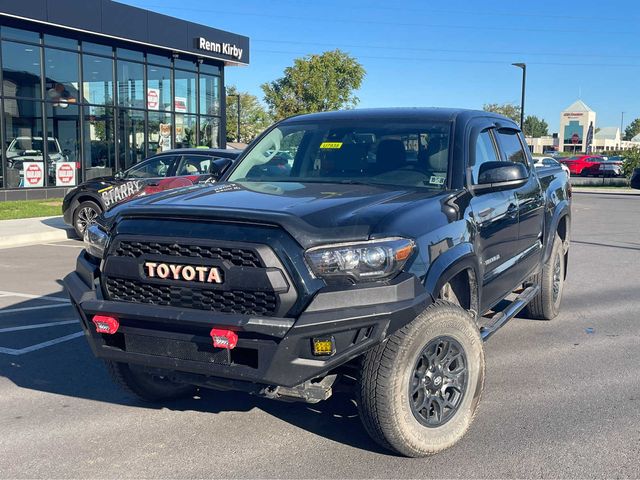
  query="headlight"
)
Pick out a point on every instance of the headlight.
point(95, 240)
point(360, 261)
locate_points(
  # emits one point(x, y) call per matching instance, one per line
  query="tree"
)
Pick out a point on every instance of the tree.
point(535, 127)
point(253, 116)
point(315, 83)
point(507, 109)
point(632, 129)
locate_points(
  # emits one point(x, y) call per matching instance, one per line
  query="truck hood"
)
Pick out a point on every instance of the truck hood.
point(312, 213)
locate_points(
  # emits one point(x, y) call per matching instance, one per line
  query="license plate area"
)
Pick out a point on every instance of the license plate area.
point(178, 349)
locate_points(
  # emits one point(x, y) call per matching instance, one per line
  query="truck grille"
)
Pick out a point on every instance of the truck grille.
point(232, 301)
point(237, 256)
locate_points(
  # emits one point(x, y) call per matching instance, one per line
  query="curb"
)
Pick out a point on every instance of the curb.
point(19, 234)
point(594, 191)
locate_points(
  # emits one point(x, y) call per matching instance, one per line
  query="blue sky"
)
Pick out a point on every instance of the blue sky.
point(454, 54)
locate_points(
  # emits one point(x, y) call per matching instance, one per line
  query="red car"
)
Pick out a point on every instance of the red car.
point(583, 164)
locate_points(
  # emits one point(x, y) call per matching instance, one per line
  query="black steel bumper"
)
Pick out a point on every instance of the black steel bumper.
point(270, 351)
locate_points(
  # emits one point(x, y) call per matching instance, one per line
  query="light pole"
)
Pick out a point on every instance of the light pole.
point(237, 95)
point(621, 126)
point(523, 66)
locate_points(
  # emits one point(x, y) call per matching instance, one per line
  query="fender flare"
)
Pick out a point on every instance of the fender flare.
point(561, 211)
point(450, 263)
point(85, 196)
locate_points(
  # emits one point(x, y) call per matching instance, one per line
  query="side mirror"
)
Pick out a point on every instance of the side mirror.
point(494, 176)
point(220, 166)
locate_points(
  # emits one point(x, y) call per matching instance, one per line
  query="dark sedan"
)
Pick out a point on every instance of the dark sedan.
point(167, 170)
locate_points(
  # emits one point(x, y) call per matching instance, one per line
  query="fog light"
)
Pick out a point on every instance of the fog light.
point(323, 347)
point(224, 338)
point(106, 324)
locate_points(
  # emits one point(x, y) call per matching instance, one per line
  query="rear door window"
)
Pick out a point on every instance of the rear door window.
point(194, 165)
point(152, 168)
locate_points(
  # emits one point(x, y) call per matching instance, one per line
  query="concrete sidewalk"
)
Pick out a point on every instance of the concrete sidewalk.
point(606, 191)
point(31, 231)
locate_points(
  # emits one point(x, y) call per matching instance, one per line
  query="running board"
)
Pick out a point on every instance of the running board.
point(511, 311)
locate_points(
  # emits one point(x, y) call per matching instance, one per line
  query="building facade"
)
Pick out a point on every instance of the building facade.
point(574, 127)
point(91, 87)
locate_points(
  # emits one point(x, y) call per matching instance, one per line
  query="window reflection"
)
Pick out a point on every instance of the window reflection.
point(209, 131)
point(97, 80)
point(209, 95)
point(130, 80)
point(21, 70)
point(185, 92)
point(131, 134)
point(61, 76)
point(63, 132)
point(158, 88)
point(99, 142)
point(24, 142)
point(185, 131)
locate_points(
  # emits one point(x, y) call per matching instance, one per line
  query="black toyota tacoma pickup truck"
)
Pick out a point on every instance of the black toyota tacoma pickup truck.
point(380, 247)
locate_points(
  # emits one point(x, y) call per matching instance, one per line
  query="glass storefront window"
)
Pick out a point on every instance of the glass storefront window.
point(185, 131)
point(185, 92)
point(98, 48)
point(185, 64)
point(131, 138)
point(62, 42)
point(61, 76)
point(24, 143)
point(209, 132)
point(163, 60)
point(99, 142)
point(97, 80)
point(20, 34)
point(130, 84)
point(209, 95)
point(158, 88)
point(130, 54)
point(63, 132)
point(160, 126)
point(21, 70)
point(210, 69)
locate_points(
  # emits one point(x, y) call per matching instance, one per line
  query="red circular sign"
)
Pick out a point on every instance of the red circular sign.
point(33, 174)
point(65, 173)
point(152, 99)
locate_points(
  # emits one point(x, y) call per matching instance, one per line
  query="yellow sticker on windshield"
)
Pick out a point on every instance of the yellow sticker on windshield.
point(331, 145)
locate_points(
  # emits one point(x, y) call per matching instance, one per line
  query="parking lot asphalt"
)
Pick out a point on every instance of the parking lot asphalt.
point(562, 398)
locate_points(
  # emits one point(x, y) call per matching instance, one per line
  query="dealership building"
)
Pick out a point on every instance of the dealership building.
point(91, 87)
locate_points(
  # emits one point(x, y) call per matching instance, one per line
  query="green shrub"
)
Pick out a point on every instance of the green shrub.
point(631, 161)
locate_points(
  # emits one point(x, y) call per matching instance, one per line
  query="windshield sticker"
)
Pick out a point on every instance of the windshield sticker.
point(331, 145)
point(436, 180)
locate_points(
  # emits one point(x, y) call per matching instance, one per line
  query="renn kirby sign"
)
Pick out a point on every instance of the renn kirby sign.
point(219, 47)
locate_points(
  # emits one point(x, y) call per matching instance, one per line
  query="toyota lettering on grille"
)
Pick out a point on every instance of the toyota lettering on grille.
point(188, 273)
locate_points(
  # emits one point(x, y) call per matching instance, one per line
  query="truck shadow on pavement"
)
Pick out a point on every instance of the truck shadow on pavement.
point(70, 369)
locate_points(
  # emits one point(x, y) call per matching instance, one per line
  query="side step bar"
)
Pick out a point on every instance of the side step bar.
point(508, 313)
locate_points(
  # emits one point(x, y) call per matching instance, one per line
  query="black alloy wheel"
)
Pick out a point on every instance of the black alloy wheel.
point(439, 382)
point(85, 216)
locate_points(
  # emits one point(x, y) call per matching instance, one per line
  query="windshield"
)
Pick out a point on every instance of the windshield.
point(32, 144)
point(387, 153)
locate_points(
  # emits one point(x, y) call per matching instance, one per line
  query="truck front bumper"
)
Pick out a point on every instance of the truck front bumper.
point(270, 351)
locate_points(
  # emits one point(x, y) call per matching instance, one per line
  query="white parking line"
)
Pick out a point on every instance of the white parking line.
point(39, 325)
point(60, 245)
point(27, 309)
point(39, 346)
point(28, 295)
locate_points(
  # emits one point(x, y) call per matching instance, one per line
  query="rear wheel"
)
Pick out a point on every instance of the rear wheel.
point(84, 216)
point(546, 305)
point(148, 387)
point(419, 390)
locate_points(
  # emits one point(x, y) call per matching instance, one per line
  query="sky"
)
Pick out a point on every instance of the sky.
point(447, 54)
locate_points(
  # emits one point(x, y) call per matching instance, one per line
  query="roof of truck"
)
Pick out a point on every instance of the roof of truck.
point(404, 113)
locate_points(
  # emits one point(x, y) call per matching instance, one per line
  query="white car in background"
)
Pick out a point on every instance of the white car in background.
point(544, 162)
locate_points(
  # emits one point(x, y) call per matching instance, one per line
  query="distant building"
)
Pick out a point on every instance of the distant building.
point(574, 126)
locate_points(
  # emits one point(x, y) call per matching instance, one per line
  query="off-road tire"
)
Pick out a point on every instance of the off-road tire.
point(384, 398)
point(546, 305)
point(145, 386)
point(83, 209)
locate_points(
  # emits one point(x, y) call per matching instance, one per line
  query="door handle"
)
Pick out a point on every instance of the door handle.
point(512, 211)
point(153, 184)
point(486, 212)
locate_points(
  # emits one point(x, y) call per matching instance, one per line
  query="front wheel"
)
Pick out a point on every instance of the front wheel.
point(84, 216)
point(419, 390)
